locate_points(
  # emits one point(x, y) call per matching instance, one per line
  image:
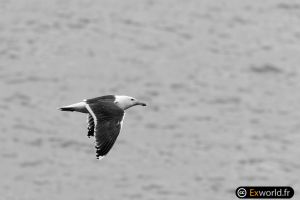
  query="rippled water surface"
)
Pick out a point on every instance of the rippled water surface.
point(221, 78)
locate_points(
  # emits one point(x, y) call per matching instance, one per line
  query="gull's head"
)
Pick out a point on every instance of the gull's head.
point(125, 102)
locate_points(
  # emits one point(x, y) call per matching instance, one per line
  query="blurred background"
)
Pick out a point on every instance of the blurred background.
point(221, 79)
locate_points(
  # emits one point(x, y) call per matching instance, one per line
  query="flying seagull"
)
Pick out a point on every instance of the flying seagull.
point(105, 118)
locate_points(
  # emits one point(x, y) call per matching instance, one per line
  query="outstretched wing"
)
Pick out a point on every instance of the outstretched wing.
point(107, 132)
point(108, 120)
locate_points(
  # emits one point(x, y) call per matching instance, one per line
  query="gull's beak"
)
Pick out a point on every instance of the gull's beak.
point(141, 103)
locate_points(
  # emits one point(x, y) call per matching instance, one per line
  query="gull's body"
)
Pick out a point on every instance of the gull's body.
point(105, 118)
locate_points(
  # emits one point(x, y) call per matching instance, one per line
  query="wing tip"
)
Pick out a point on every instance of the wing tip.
point(99, 157)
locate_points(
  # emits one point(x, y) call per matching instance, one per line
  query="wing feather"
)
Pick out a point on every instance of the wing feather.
point(107, 119)
point(90, 125)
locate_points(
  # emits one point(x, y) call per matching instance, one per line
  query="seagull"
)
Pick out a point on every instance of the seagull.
point(105, 118)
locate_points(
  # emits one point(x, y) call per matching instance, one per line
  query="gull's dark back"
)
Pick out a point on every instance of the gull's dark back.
point(106, 98)
point(104, 107)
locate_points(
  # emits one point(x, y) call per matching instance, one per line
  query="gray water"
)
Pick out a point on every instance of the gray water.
point(221, 78)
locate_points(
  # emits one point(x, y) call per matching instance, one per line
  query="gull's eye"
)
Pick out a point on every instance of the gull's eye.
point(132, 99)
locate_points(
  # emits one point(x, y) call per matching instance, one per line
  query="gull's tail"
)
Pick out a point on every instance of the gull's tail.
point(66, 109)
point(78, 107)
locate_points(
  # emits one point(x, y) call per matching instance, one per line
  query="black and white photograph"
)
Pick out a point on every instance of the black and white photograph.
point(149, 99)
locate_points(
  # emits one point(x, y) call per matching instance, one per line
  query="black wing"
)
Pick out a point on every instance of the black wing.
point(108, 120)
point(90, 125)
point(107, 132)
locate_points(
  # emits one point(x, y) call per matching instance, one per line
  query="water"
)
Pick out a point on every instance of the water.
point(221, 79)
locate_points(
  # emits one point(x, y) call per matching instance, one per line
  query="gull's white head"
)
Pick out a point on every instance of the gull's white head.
point(125, 102)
